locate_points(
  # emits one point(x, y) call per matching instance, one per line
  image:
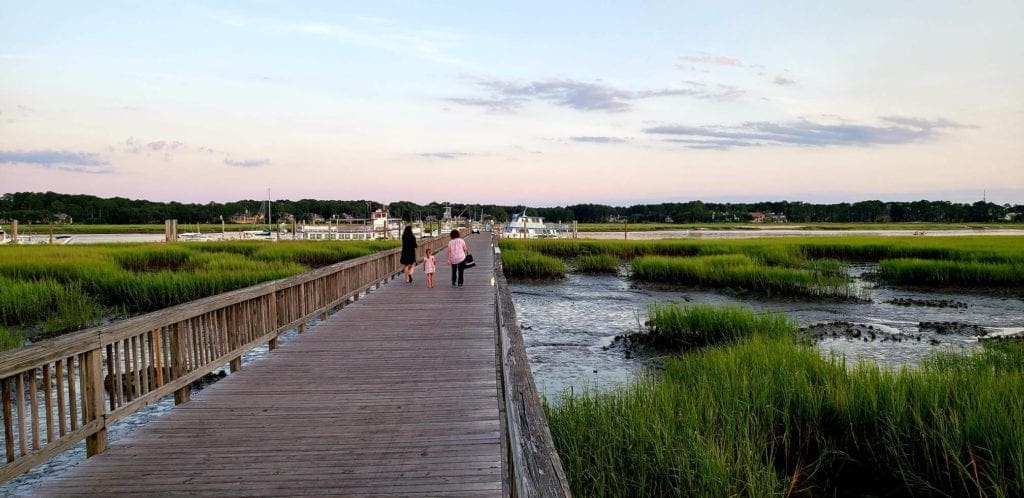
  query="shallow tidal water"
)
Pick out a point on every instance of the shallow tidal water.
point(568, 324)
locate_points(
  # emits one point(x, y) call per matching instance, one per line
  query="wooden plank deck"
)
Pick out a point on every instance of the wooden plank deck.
point(396, 394)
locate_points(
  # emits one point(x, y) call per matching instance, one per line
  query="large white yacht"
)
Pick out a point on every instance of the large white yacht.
point(381, 226)
point(528, 227)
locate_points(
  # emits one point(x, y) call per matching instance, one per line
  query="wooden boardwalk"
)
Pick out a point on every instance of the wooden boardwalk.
point(396, 394)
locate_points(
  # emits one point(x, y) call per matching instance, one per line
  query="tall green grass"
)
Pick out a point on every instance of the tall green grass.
point(596, 263)
point(10, 339)
point(740, 271)
point(53, 306)
point(996, 261)
point(48, 290)
point(530, 264)
point(779, 250)
point(645, 227)
point(912, 271)
point(768, 417)
point(673, 326)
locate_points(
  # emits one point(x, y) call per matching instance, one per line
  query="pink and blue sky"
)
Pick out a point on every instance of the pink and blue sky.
point(539, 103)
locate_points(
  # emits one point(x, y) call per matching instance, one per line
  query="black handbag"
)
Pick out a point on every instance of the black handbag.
point(468, 262)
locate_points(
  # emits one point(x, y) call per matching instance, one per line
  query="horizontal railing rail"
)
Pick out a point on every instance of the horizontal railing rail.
point(57, 392)
point(536, 469)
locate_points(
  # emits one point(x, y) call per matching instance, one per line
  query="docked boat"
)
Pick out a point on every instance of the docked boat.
point(4, 238)
point(381, 226)
point(257, 235)
point(194, 237)
point(528, 227)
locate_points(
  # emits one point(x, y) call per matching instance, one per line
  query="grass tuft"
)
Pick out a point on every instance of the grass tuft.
point(597, 263)
point(766, 416)
point(530, 264)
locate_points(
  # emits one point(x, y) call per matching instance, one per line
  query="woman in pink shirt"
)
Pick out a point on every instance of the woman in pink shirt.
point(457, 251)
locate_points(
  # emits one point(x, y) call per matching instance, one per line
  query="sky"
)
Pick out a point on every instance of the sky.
point(537, 103)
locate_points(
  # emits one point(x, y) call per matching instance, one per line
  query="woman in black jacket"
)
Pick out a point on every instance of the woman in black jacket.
point(408, 253)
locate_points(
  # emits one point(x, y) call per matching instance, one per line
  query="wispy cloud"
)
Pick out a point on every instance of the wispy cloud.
point(433, 44)
point(694, 63)
point(898, 130)
point(599, 140)
point(62, 160)
point(169, 149)
point(508, 95)
point(428, 43)
point(446, 155)
point(717, 60)
point(249, 163)
point(924, 123)
point(494, 104)
point(165, 144)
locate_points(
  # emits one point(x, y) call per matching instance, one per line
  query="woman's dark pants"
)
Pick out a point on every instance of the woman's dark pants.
point(457, 271)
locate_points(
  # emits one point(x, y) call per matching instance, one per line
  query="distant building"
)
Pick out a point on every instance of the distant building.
point(247, 217)
point(759, 217)
point(668, 219)
point(1012, 216)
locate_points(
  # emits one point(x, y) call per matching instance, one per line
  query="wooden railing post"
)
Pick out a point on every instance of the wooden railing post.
point(5, 384)
point(270, 315)
point(92, 400)
point(178, 362)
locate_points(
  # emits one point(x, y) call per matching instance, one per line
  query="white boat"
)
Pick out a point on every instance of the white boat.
point(4, 238)
point(528, 227)
point(257, 235)
point(194, 237)
point(381, 226)
point(335, 232)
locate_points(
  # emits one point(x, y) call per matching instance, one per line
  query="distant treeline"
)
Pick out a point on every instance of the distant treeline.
point(37, 207)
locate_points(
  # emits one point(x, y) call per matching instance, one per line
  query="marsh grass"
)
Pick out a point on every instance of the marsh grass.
point(645, 227)
point(10, 339)
point(49, 290)
point(531, 265)
point(992, 261)
point(676, 327)
point(596, 263)
point(913, 271)
point(766, 416)
point(740, 271)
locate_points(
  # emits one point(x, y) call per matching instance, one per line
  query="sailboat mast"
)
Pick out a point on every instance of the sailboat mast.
point(270, 223)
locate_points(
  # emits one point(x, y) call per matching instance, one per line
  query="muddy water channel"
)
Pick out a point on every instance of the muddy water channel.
point(569, 325)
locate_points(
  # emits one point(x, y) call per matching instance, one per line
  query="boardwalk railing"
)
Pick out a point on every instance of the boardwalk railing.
point(535, 469)
point(58, 392)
